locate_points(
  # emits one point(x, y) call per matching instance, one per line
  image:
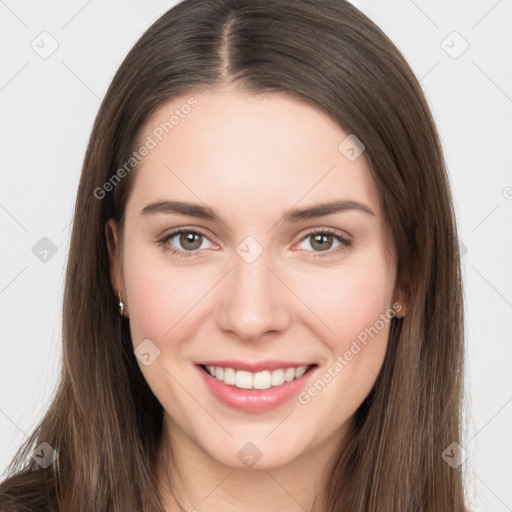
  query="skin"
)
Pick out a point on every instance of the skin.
point(252, 158)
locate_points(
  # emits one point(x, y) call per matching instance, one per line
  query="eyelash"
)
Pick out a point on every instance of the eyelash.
point(345, 244)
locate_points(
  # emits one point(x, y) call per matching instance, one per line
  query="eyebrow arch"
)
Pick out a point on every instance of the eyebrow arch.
point(292, 216)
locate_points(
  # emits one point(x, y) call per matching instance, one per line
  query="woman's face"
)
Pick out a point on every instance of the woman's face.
point(258, 276)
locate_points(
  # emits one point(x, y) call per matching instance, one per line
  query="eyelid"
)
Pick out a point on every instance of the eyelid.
point(332, 231)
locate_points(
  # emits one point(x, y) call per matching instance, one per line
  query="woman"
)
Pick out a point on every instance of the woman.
point(305, 351)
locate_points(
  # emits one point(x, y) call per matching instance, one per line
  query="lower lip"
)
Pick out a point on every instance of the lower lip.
point(254, 400)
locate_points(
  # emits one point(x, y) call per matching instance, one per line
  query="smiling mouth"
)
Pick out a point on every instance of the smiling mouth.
point(265, 379)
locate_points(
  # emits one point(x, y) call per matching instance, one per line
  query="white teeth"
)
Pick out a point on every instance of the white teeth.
point(299, 372)
point(289, 374)
point(260, 380)
point(243, 379)
point(229, 376)
point(277, 377)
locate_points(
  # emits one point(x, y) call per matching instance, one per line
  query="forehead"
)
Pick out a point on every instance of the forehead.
point(227, 147)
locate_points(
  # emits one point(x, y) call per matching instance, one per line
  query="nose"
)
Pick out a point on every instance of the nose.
point(254, 300)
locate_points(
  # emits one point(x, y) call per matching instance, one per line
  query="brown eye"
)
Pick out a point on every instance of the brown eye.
point(186, 242)
point(189, 240)
point(322, 240)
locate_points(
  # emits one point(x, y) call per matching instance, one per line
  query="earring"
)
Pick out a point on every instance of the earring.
point(121, 305)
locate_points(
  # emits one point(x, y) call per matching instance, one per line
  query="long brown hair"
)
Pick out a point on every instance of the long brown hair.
point(104, 422)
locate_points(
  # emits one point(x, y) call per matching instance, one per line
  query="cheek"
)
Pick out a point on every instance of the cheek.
point(159, 297)
point(162, 301)
point(355, 303)
point(350, 299)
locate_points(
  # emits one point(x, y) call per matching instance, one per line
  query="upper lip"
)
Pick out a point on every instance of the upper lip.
point(254, 366)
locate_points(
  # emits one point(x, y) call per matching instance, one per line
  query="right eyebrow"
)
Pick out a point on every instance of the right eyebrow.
point(182, 208)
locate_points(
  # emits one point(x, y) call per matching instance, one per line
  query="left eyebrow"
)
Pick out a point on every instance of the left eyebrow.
point(321, 209)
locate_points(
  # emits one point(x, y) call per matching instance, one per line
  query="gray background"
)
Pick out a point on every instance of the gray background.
point(48, 104)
